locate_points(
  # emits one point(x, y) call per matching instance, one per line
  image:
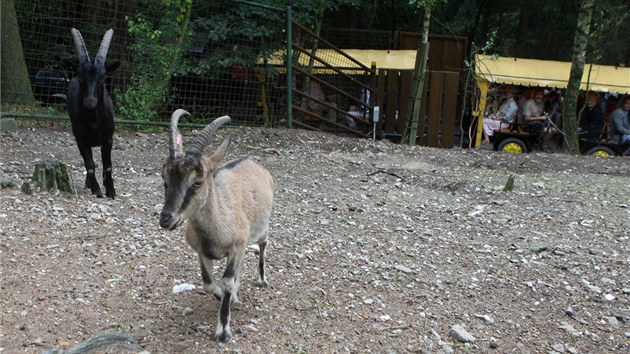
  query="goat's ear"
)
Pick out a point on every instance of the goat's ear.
point(112, 66)
point(219, 154)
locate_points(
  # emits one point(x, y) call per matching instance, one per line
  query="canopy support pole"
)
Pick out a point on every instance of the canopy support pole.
point(481, 108)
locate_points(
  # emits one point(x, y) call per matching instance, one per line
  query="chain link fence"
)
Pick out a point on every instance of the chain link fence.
point(221, 51)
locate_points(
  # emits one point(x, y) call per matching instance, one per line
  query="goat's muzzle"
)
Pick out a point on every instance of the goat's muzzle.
point(90, 102)
point(167, 221)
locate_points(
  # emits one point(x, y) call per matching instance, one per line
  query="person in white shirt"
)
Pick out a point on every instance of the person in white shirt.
point(504, 116)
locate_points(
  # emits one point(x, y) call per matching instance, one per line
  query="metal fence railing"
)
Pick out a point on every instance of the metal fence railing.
point(222, 49)
point(332, 90)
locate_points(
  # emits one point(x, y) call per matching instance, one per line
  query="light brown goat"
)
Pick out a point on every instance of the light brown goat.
point(227, 205)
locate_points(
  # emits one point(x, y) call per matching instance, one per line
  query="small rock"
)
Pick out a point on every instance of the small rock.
point(486, 318)
point(569, 311)
point(612, 320)
point(609, 297)
point(251, 328)
point(569, 328)
point(446, 348)
point(593, 288)
point(461, 335)
point(626, 291)
point(187, 311)
point(384, 318)
point(558, 347)
point(6, 183)
point(402, 268)
point(540, 185)
point(368, 301)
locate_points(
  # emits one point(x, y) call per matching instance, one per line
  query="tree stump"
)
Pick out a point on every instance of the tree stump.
point(52, 175)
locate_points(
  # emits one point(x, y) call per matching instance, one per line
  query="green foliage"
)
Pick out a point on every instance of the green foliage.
point(610, 26)
point(242, 35)
point(156, 49)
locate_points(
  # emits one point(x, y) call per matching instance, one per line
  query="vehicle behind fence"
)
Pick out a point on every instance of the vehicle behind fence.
point(211, 59)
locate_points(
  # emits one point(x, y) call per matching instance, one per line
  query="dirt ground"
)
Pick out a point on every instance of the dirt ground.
point(374, 247)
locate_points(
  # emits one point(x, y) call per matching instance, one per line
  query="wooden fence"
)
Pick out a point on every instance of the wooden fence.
point(437, 121)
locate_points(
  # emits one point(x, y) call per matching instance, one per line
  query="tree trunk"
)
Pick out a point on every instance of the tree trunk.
point(413, 115)
point(580, 41)
point(16, 85)
point(174, 59)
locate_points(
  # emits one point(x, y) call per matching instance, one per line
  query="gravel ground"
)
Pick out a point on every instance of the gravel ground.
point(374, 247)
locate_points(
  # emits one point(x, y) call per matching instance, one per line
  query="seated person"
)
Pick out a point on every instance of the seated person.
point(504, 116)
point(537, 120)
point(534, 115)
point(592, 119)
point(359, 112)
point(619, 122)
point(315, 90)
point(491, 104)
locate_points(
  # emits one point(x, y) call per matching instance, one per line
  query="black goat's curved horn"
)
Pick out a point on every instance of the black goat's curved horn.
point(175, 147)
point(79, 44)
point(102, 50)
point(203, 137)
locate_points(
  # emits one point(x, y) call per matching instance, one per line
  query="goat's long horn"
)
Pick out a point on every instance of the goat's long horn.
point(203, 137)
point(175, 147)
point(79, 44)
point(102, 50)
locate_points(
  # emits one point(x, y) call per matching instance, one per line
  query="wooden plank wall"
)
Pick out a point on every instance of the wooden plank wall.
point(446, 53)
point(436, 127)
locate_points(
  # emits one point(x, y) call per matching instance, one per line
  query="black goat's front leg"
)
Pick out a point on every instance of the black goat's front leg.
point(90, 166)
point(108, 181)
point(229, 289)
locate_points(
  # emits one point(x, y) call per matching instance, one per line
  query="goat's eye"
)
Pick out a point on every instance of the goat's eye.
point(197, 184)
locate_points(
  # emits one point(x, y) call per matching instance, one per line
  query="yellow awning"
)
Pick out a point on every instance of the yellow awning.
point(384, 59)
point(548, 73)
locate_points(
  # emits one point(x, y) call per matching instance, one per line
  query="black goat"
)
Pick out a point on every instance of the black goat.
point(92, 112)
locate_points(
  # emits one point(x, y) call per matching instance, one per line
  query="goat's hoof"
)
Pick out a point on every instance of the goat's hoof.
point(261, 283)
point(97, 192)
point(111, 194)
point(224, 335)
